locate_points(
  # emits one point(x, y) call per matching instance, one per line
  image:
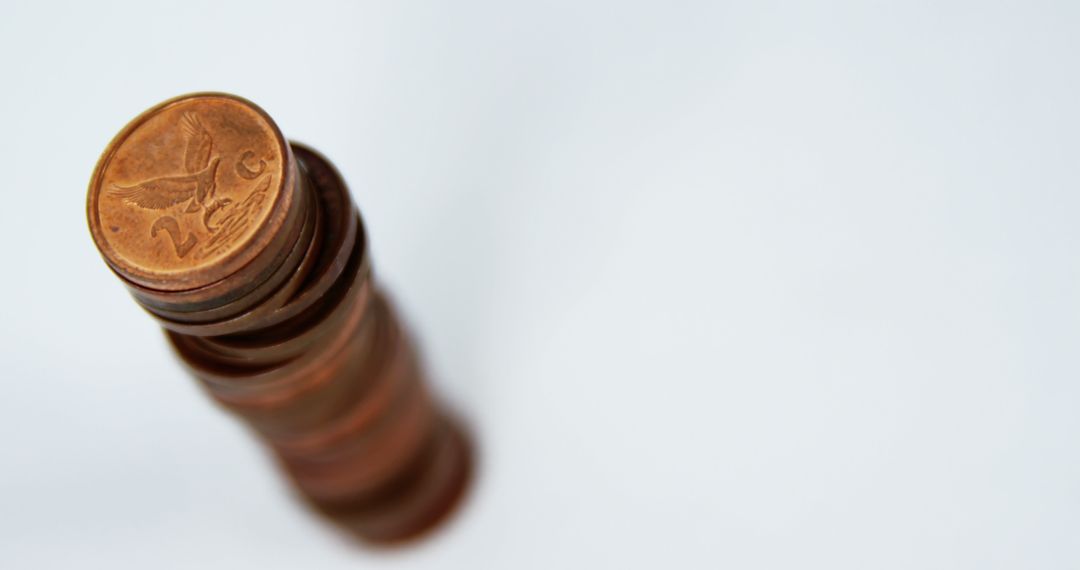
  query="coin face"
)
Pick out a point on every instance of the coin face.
point(184, 195)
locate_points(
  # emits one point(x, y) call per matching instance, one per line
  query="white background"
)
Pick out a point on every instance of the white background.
point(728, 286)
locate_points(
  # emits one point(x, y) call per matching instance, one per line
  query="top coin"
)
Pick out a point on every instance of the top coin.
point(190, 191)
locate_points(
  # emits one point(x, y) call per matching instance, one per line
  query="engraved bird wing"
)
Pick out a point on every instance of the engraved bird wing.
point(159, 193)
point(197, 154)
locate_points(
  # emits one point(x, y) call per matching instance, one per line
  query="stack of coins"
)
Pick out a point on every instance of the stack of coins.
point(249, 252)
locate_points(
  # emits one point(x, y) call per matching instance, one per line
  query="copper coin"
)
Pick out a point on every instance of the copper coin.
point(307, 405)
point(190, 192)
point(366, 469)
point(293, 337)
point(368, 459)
point(344, 233)
point(308, 391)
point(247, 278)
point(258, 352)
point(341, 236)
point(235, 356)
point(420, 499)
point(317, 373)
point(391, 374)
point(266, 296)
point(373, 450)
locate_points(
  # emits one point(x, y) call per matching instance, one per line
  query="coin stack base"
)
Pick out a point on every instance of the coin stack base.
point(423, 498)
point(249, 252)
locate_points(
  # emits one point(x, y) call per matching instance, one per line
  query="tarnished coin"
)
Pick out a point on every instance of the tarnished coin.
point(190, 192)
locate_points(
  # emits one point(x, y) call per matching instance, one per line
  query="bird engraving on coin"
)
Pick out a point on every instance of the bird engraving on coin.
point(195, 188)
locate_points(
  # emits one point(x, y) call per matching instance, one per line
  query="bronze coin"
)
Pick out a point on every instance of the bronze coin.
point(300, 400)
point(266, 296)
point(258, 352)
point(244, 353)
point(419, 500)
point(274, 292)
point(369, 459)
point(341, 236)
point(344, 232)
point(389, 376)
point(190, 192)
point(247, 278)
point(279, 386)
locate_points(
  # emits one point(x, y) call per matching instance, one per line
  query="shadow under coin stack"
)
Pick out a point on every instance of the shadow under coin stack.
point(249, 251)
